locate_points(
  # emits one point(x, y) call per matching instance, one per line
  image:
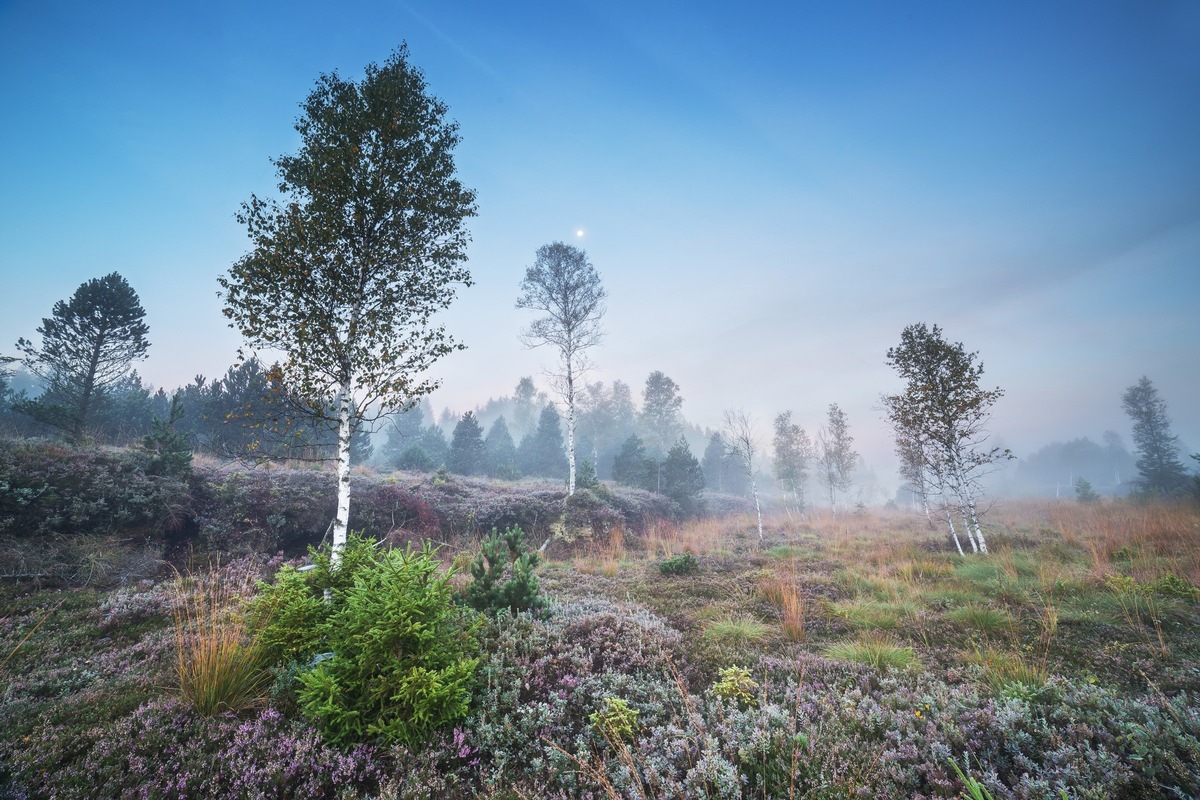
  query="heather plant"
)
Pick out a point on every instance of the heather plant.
point(503, 575)
point(164, 750)
point(389, 652)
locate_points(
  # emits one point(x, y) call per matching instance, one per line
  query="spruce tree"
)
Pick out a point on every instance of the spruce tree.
point(1162, 473)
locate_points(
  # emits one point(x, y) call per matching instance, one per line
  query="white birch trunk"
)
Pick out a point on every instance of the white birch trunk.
point(975, 524)
point(757, 507)
point(570, 431)
point(341, 523)
point(953, 533)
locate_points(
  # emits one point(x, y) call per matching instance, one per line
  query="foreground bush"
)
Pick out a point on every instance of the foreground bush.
point(379, 649)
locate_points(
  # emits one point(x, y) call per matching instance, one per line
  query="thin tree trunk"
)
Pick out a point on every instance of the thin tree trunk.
point(953, 533)
point(570, 431)
point(975, 524)
point(341, 524)
point(757, 507)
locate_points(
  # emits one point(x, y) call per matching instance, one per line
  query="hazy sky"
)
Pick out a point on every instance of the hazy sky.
point(770, 191)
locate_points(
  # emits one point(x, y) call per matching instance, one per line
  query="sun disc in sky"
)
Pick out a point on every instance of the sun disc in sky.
point(579, 233)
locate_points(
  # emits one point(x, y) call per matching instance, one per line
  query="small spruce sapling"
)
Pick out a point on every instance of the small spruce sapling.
point(166, 450)
point(1084, 492)
point(503, 576)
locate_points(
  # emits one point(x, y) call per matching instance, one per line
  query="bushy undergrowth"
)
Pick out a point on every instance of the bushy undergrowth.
point(384, 653)
point(48, 489)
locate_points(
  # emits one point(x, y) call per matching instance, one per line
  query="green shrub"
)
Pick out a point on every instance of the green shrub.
point(390, 654)
point(735, 684)
point(503, 575)
point(616, 722)
point(683, 564)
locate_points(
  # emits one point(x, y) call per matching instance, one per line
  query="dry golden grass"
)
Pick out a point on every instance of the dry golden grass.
point(709, 535)
point(783, 593)
point(218, 661)
point(603, 557)
point(1156, 539)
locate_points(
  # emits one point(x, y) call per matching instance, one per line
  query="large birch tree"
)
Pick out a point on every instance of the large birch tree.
point(940, 422)
point(366, 244)
point(565, 287)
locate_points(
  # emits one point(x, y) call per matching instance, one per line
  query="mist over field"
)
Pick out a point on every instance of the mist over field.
point(769, 194)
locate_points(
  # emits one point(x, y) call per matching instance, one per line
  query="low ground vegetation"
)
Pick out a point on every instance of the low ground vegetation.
point(850, 655)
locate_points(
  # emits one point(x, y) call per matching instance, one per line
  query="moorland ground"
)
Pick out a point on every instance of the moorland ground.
point(844, 654)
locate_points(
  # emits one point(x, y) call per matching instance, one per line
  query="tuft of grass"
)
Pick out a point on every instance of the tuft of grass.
point(876, 649)
point(220, 665)
point(736, 631)
point(786, 552)
point(783, 594)
point(1004, 670)
point(984, 620)
point(869, 615)
point(923, 570)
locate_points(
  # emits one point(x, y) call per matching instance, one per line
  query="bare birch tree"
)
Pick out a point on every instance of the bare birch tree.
point(738, 436)
point(564, 285)
point(345, 275)
point(940, 423)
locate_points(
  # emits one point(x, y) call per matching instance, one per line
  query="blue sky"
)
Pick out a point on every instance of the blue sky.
point(770, 191)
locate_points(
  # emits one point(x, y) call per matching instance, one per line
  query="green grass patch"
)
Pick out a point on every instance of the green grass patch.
point(869, 615)
point(950, 597)
point(736, 631)
point(878, 650)
point(981, 619)
point(787, 551)
point(978, 571)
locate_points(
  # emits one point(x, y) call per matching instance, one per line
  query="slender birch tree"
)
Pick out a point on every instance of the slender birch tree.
point(563, 285)
point(368, 242)
point(739, 438)
point(940, 423)
point(793, 455)
point(835, 454)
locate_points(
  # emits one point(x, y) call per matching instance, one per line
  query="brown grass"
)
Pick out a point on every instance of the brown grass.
point(665, 539)
point(1156, 539)
point(783, 593)
point(218, 661)
point(603, 557)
